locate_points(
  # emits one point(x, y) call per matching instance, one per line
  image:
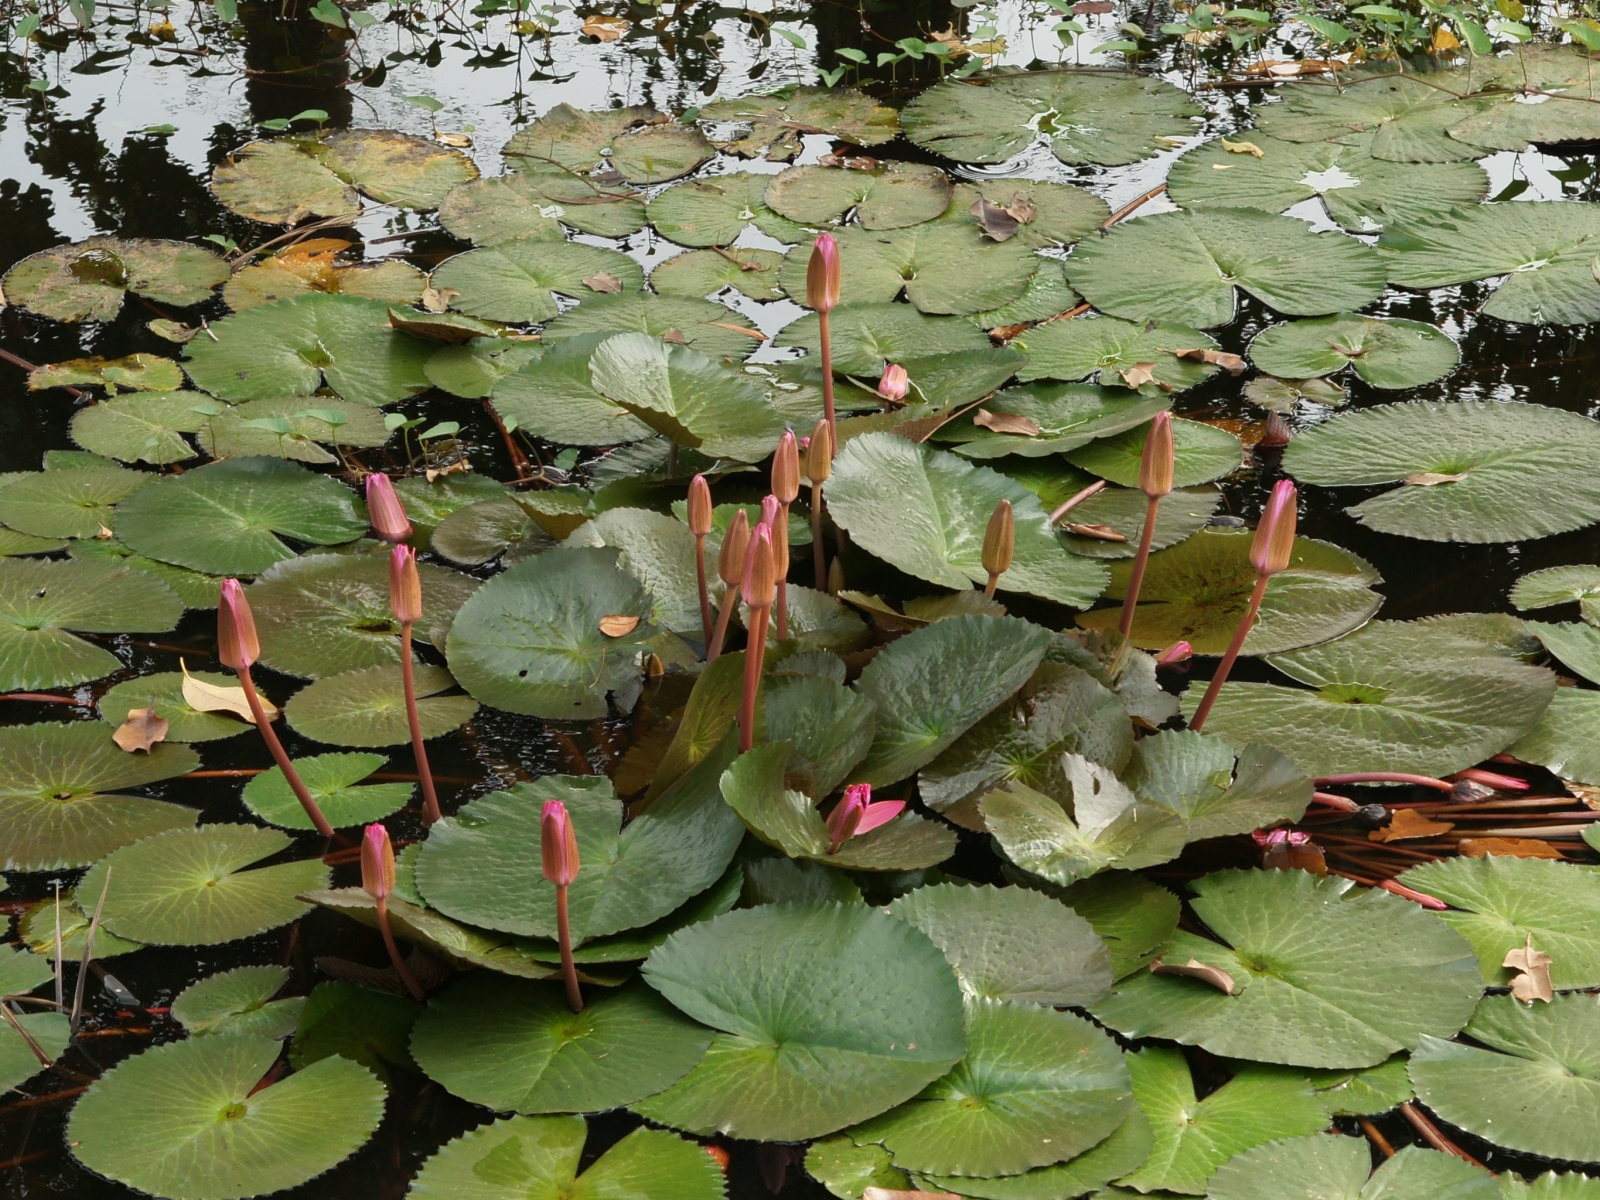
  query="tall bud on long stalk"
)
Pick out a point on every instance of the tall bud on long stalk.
point(558, 855)
point(384, 510)
point(999, 541)
point(405, 585)
point(730, 569)
point(786, 469)
point(822, 274)
point(700, 526)
point(237, 645)
point(1156, 467)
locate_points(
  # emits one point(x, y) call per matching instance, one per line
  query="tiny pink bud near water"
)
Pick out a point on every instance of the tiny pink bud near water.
point(786, 469)
point(822, 274)
point(237, 646)
point(1279, 837)
point(377, 863)
point(558, 844)
point(1273, 546)
point(384, 510)
point(1178, 652)
point(895, 383)
point(1156, 462)
point(858, 813)
point(405, 585)
point(699, 506)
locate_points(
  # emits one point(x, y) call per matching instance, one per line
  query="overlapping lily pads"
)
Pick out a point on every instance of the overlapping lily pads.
point(1385, 352)
point(518, 280)
point(88, 280)
point(639, 143)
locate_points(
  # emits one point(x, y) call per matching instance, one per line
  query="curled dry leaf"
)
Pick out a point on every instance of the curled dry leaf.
point(618, 624)
point(1430, 479)
point(437, 300)
point(1100, 533)
point(1242, 147)
point(603, 282)
point(1195, 969)
point(1231, 363)
point(1533, 979)
point(1408, 823)
point(456, 141)
point(1510, 847)
point(731, 328)
point(1280, 68)
point(210, 697)
point(996, 223)
point(142, 730)
point(1006, 423)
point(1139, 374)
point(603, 28)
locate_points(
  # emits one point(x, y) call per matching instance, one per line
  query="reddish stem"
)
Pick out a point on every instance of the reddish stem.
point(430, 797)
point(281, 757)
point(754, 653)
point(1332, 801)
point(1432, 1135)
point(705, 593)
point(1136, 579)
point(1226, 665)
point(569, 969)
point(819, 558)
point(730, 601)
point(1077, 498)
point(406, 977)
point(1426, 781)
point(827, 377)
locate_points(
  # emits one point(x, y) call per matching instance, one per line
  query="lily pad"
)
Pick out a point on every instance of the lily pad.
point(1047, 214)
point(362, 1024)
point(237, 1141)
point(1334, 1168)
point(292, 429)
point(554, 397)
point(859, 1013)
point(1560, 585)
point(868, 337)
point(1376, 974)
point(283, 277)
point(1083, 116)
point(1576, 645)
point(72, 502)
point(1385, 352)
point(37, 929)
point(638, 142)
point(1183, 268)
point(331, 780)
point(535, 204)
point(146, 427)
point(1106, 347)
point(699, 273)
point(1399, 116)
point(715, 210)
point(190, 887)
point(775, 124)
point(367, 707)
point(1203, 453)
point(240, 1002)
point(1509, 471)
point(163, 693)
point(87, 281)
point(702, 325)
point(456, 943)
point(892, 196)
point(1067, 416)
point(1134, 917)
point(1563, 740)
point(1514, 112)
point(518, 280)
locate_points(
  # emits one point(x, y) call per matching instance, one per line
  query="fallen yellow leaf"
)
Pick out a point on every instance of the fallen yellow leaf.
point(210, 697)
point(1250, 148)
point(142, 730)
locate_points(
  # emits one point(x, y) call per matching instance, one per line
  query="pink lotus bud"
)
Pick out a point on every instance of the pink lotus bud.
point(771, 512)
point(558, 844)
point(760, 583)
point(786, 469)
point(377, 863)
point(1279, 837)
point(857, 813)
point(699, 506)
point(1273, 546)
point(405, 585)
point(894, 384)
point(819, 453)
point(1173, 655)
point(237, 646)
point(730, 561)
point(384, 510)
point(822, 274)
point(1155, 464)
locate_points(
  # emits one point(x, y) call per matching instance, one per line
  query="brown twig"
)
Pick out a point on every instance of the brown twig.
point(1133, 206)
point(1431, 1134)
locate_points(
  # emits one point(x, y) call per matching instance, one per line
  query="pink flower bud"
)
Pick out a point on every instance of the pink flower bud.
point(786, 468)
point(760, 583)
point(1156, 463)
point(699, 506)
point(1178, 652)
point(237, 646)
point(384, 510)
point(558, 844)
point(405, 585)
point(857, 813)
point(377, 863)
point(822, 274)
point(1273, 546)
point(894, 384)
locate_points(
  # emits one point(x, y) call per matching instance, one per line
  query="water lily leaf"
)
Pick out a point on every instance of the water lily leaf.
point(1335, 1168)
point(1127, 1147)
point(456, 943)
point(1375, 690)
point(200, 1094)
point(925, 512)
point(87, 281)
point(847, 1169)
point(190, 887)
point(73, 502)
point(514, 1046)
point(1203, 453)
point(1105, 347)
point(893, 196)
point(1183, 267)
point(658, 551)
point(1036, 1087)
point(1361, 192)
point(162, 693)
point(1560, 585)
point(529, 641)
point(1011, 944)
point(1550, 1186)
point(518, 280)
point(1197, 591)
point(358, 1023)
point(702, 325)
point(1576, 645)
point(535, 204)
point(1286, 395)
point(638, 142)
point(474, 866)
point(1377, 974)
point(239, 1002)
point(146, 427)
point(194, 589)
point(331, 779)
point(1048, 294)
point(367, 707)
point(554, 397)
point(1051, 214)
point(22, 972)
point(37, 929)
point(1400, 117)
point(867, 337)
point(934, 684)
point(686, 396)
point(860, 1013)
point(1132, 916)
point(1532, 1089)
point(1516, 459)
point(1543, 248)
point(773, 125)
point(59, 798)
point(1084, 117)
point(1507, 900)
point(714, 211)
point(1385, 352)
point(291, 429)
point(1563, 740)
point(829, 726)
point(752, 273)
point(1067, 415)
point(41, 600)
point(288, 274)
point(1194, 776)
point(537, 1158)
point(131, 372)
point(1513, 112)
point(473, 368)
point(293, 347)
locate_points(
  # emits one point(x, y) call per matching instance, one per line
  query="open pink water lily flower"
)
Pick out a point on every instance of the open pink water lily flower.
point(858, 813)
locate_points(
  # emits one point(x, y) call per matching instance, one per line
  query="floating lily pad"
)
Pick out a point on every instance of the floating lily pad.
point(638, 142)
point(535, 204)
point(131, 372)
point(514, 1046)
point(163, 694)
point(518, 280)
point(1203, 453)
point(195, 589)
point(1376, 975)
point(59, 801)
point(239, 1001)
point(847, 1169)
point(1399, 116)
point(774, 124)
point(37, 929)
point(715, 210)
point(1515, 111)
point(239, 1141)
point(1047, 214)
point(230, 517)
point(1384, 352)
point(472, 368)
point(1083, 116)
point(1048, 294)
point(752, 273)
point(1335, 1168)
point(859, 1013)
point(191, 887)
point(1197, 591)
point(1067, 416)
point(141, 428)
point(1134, 917)
point(1576, 645)
point(72, 502)
point(1532, 1089)
point(1128, 1146)
point(331, 780)
point(292, 429)
point(1470, 470)
point(294, 347)
point(359, 1023)
point(554, 397)
point(1560, 585)
point(1183, 268)
point(22, 972)
point(87, 281)
point(1106, 347)
point(283, 277)
point(893, 196)
point(702, 325)
point(1563, 740)
point(367, 707)
point(868, 337)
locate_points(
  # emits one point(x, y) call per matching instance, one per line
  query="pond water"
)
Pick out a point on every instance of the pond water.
point(117, 132)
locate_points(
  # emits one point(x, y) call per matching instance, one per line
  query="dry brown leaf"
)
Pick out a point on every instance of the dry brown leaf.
point(1242, 147)
point(1408, 823)
point(603, 28)
point(1430, 479)
point(437, 300)
point(996, 222)
point(1444, 40)
point(674, 337)
point(1280, 68)
point(1092, 8)
point(210, 697)
point(1508, 847)
point(1533, 982)
point(603, 281)
point(1195, 969)
point(462, 466)
point(1100, 533)
point(1231, 363)
point(849, 162)
point(1006, 423)
point(618, 624)
point(456, 141)
point(142, 730)
point(732, 328)
point(1139, 374)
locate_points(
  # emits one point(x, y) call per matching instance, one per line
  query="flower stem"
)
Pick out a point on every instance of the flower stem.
point(406, 977)
point(1136, 579)
point(730, 601)
point(430, 797)
point(705, 592)
point(782, 531)
point(569, 969)
point(1426, 781)
point(819, 558)
point(1226, 665)
point(281, 757)
point(754, 653)
point(827, 375)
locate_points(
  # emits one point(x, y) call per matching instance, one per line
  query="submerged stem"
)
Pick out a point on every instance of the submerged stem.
point(430, 797)
point(281, 757)
point(1226, 665)
point(569, 969)
point(406, 977)
point(1136, 579)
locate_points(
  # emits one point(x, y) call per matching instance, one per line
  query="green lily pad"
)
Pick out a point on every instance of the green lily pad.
point(699, 273)
point(847, 1170)
point(331, 780)
point(196, 590)
point(1366, 1091)
point(1196, 778)
point(868, 337)
point(1398, 116)
point(1563, 740)
point(238, 1141)
point(925, 512)
point(514, 1046)
point(859, 1013)
point(893, 196)
point(1361, 192)
point(145, 427)
point(638, 142)
point(1512, 471)
point(59, 795)
point(1127, 1147)
point(1513, 112)
point(1532, 1087)
point(368, 708)
point(535, 204)
point(190, 887)
point(41, 600)
point(554, 397)
point(163, 693)
point(1560, 585)
point(471, 369)
point(1132, 916)
point(1576, 645)
point(773, 125)
point(1198, 590)
point(658, 550)
point(1203, 453)
point(1105, 347)
point(87, 281)
point(229, 518)
point(1069, 415)
point(1373, 975)
point(1287, 395)
point(537, 1158)
point(22, 972)
point(292, 429)
point(240, 1002)
point(1048, 294)
point(294, 347)
point(518, 280)
point(701, 325)
point(1083, 116)
point(1543, 248)
point(1385, 352)
point(131, 372)
point(265, 282)
point(715, 210)
point(1550, 1186)
point(364, 1025)
point(37, 929)
point(1335, 1168)
point(1036, 1087)
point(1047, 214)
point(72, 502)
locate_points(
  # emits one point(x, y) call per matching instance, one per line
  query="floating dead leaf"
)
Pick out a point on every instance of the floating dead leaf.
point(732, 328)
point(1533, 981)
point(674, 337)
point(849, 162)
point(996, 222)
point(1195, 969)
point(1431, 479)
point(104, 535)
point(171, 331)
point(1307, 856)
point(1508, 847)
point(142, 730)
point(1092, 8)
point(462, 466)
point(1231, 363)
point(1100, 533)
point(1408, 823)
point(1281, 68)
point(456, 141)
point(618, 624)
point(604, 281)
point(1243, 147)
point(1444, 40)
point(605, 29)
point(1587, 793)
point(1139, 374)
point(1006, 423)
point(437, 300)
point(210, 697)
